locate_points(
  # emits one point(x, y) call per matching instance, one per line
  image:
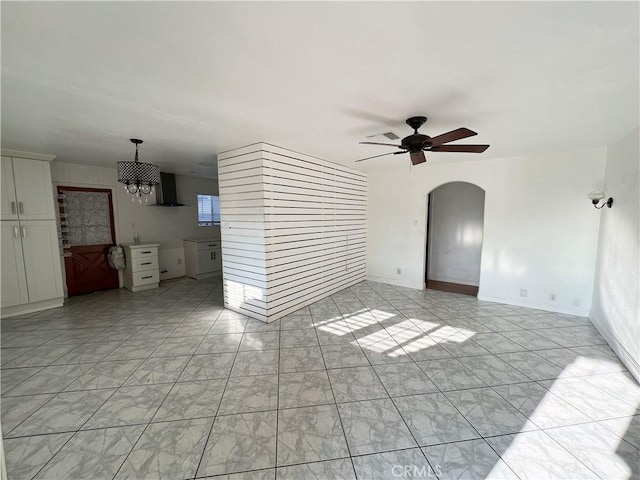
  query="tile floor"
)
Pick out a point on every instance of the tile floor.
point(375, 382)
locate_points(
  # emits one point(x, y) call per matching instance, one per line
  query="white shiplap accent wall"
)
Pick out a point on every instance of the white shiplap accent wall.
point(293, 229)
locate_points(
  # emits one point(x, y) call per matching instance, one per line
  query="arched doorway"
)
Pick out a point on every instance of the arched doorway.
point(455, 226)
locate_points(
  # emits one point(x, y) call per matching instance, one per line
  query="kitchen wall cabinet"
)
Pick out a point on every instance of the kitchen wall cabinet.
point(31, 268)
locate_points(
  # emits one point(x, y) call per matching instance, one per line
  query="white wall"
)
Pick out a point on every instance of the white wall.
point(456, 217)
point(293, 229)
point(540, 233)
point(164, 225)
point(616, 299)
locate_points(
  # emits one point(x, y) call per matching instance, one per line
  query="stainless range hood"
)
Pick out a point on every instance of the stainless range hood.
point(166, 193)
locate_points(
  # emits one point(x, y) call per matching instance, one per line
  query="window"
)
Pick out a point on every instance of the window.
point(208, 210)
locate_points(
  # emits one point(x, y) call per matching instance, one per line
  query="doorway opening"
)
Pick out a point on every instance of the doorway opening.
point(455, 223)
point(90, 232)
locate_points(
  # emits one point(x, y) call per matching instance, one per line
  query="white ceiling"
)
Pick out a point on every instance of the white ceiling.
point(193, 79)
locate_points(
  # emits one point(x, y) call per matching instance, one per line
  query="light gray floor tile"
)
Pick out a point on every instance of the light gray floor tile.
point(627, 428)
point(220, 343)
point(340, 469)
point(433, 419)
point(374, 426)
point(493, 370)
point(303, 389)
point(105, 375)
point(340, 356)
point(298, 338)
point(266, 474)
point(250, 394)
point(10, 354)
point(167, 450)
point(207, 367)
point(450, 374)
point(239, 443)
point(334, 334)
point(174, 346)
point(258, 362)
point(254, 325)
point(468, 459)
point(129, 406)
point(535, 455)
point(260, 341)
point(31, 381)
point(593, 445)
point(404, 379)
point(40, 356)
point(295, 322)
point(530, 340)
point(133, 350)
point(301, 359)
point(25, 456)
point(409, 463)
point(87, 353)
point(532, 365)
point(16, 409)
point(95, 454)
point(66, 412)
point(310, 434)
point(158, 370)
point(356, 383)
point(488, 412)
point(191, 400)
point(425, 348)
point(540, 406)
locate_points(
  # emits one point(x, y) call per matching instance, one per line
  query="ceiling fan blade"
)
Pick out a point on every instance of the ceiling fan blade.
point(451, 136)
point(460, 148)
point(376, 143)
point(376, 156)
point(417, 158)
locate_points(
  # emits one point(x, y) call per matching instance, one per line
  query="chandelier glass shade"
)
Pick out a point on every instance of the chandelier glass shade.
point(138, 178)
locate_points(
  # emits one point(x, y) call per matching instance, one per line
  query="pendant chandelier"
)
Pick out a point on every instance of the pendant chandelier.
point(138, 178)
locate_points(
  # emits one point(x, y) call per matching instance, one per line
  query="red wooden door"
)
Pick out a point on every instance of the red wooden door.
point(88, 217)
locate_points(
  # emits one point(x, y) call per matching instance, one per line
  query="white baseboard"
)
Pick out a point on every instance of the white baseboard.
point(32, 307)
point(398, 282)
point(582, 312)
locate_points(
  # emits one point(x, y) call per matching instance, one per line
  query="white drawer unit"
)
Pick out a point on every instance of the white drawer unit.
point(203, 257)
point(142, 272)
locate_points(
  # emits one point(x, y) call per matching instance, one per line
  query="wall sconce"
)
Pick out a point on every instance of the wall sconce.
point(595, 197)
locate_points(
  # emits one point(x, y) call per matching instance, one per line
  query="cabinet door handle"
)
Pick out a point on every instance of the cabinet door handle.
point(16, 232)
point(214, 255)
point(212, 245)
point(150, 276)
point(20, 208)
point(13, 208)
point(211, 255)
point(24, 232)
point(145, 263)
point(145, 252)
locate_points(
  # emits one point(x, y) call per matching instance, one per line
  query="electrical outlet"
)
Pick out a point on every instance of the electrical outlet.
point(399, 271)
point(179, 261)
point(523, 292)
point(552, 297)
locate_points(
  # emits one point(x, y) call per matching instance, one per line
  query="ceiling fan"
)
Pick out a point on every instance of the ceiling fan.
point(418, 143)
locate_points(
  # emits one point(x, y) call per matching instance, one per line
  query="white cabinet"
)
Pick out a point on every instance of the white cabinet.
point(31, 269)
point(14, 278)
point(203, 257)
point(27, 189)
point(142, 271)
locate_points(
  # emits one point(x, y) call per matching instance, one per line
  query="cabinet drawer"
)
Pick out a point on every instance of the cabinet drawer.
point(144, 278)
point(144, 252)
point(144, 263)
point(208, 245)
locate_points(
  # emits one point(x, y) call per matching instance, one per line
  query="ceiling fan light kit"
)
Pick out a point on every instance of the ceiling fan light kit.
point(418, 143)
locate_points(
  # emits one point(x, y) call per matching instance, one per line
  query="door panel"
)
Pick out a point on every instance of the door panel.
point(33, 189)
point(88, 214)
point(8, 202)
point(88, 270)
point(205, 261)
point(14, 280)
point(41, 259)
